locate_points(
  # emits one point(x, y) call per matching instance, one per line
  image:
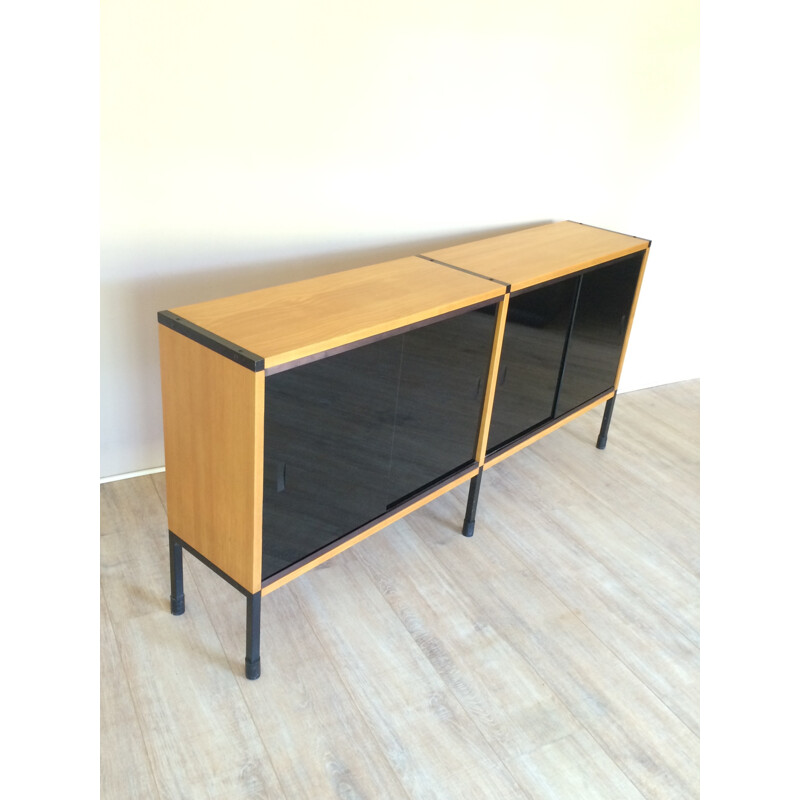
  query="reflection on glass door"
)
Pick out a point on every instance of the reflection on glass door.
point(598, 333)
point(440, 399)
point(327, 439)
point(353, 434)
point(533, 348)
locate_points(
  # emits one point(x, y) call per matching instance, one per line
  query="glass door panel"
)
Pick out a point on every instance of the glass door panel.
point(328, 439)
point(598, 333)
point(440, 399)
point(530, 362)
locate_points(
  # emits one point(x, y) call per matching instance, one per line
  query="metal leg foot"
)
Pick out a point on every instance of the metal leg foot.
point(176, 599)
point(472, 505)
point(603, 437)
point(252, 661)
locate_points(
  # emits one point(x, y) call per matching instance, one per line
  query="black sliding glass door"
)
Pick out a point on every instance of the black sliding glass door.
point(440, 399)
point(328, 432)
point(351, 435)
point(562, 346)
point(598, 333)
point(533, 348)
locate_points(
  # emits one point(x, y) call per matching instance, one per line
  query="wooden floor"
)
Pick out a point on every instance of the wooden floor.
point(553, 655)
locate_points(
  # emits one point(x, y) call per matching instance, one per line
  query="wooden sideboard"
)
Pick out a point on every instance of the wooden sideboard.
point(302, 418)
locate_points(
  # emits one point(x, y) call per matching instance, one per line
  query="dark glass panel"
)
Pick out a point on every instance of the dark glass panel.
point(440, 399)
point(328, 439)
point(601, 319)
point(533, 347)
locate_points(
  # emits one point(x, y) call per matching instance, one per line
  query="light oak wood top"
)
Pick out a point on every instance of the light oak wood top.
point(535, 255)
point(296, 320)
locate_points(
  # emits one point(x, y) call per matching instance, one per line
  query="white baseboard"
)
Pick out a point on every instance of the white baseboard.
point(110, 478)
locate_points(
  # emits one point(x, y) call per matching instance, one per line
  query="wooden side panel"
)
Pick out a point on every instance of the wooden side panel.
point(491, 383)
point(630, 317)
point(213, 442)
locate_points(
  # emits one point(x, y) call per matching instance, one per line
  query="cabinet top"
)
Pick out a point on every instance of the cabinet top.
point(305, 319)
point(293, 321)
point(539, 254)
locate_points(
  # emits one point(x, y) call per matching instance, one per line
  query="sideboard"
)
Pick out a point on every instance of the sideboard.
point(300, 419)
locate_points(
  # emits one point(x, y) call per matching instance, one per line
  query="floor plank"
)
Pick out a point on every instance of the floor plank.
point(131, 506)
point(514, 708)
point(320, 744)
point(200, 739)
point(425, 733)
point(637, 632)
point(478, 666)
point(649, 743)
point(131, 776)
point(577, 767)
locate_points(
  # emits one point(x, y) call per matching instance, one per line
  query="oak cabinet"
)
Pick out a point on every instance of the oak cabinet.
point(299, 419)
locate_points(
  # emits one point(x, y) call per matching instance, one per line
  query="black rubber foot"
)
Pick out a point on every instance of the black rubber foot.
point(601, 443)
point(177, 605)
point(468, 529)
point(252, 671)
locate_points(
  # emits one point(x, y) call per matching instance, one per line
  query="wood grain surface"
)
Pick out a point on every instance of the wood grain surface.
point(297, 320)
point(213, 444)
point(535, 255)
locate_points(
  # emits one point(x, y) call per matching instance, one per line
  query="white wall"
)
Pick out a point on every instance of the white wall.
point(247, 143)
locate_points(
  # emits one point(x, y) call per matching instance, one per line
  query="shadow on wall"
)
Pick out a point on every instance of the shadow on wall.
point(155, 279)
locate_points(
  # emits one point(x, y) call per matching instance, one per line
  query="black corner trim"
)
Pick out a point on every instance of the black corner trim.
point(226, 348)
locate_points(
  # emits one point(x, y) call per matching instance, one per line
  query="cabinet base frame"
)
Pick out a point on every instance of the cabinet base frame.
point(252, 660)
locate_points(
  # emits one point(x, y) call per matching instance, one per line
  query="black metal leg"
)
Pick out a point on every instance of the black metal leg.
point(252, 661)
point(603, 437)
point(176, 599)
point(472, 504)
